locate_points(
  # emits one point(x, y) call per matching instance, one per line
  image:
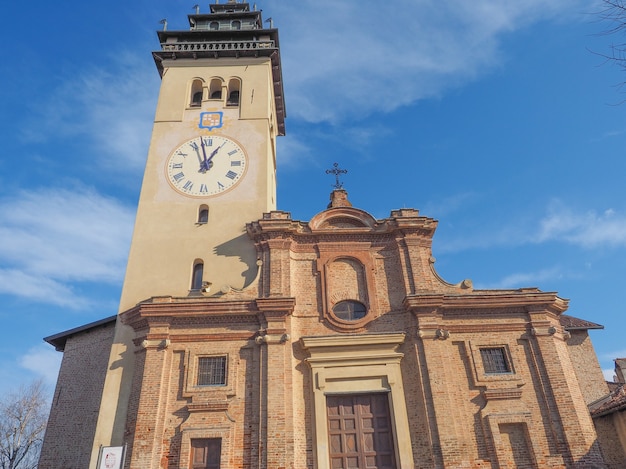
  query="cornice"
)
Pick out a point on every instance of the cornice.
point(276, 305)
point(528, 300)
point(353, 340)
point(170, 308)
point(278, 224)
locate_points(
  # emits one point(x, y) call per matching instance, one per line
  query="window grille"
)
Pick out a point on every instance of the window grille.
point(495, 360)
point(349, 310)
point(211, 371)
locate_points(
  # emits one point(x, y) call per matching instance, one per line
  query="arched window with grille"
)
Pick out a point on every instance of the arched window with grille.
point(215, 89)
point(234, 87)
point(196, 93)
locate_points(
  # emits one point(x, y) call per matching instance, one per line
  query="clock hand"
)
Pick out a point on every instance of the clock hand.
point(204, 165)
point(209, 163)
point(194, 145)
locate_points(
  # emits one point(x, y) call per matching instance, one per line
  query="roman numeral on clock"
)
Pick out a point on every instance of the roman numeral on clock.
point(188, 185)
point(178, 176)
point(231, 175)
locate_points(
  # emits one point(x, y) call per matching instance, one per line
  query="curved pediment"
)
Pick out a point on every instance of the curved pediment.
point(342, 218)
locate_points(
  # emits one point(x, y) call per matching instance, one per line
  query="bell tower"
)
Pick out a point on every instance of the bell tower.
point(212, 160)
point(210, 169)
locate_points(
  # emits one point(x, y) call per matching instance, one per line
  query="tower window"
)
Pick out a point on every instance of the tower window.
point(214, 26)
point(349, 310)
point(235, 25)
point(212, 371)
point(495, 360)
point(215, 90)
point(196, 279)
point(233, 98)
point(233, 92)
point(203, 215)
point(196, 93)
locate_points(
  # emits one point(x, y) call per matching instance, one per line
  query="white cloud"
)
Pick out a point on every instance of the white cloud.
point(112, 106)
point(450, 204)
point(291, 151)
point(588, 229)
point(373, 58)
point(52, 237)
point(44, 362)
point(515, 280)
point(368, 59)
point(40, 289)
point(559, 224)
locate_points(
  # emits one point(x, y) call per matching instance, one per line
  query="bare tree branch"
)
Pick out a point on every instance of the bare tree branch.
point(23, 416)
point(614, 13)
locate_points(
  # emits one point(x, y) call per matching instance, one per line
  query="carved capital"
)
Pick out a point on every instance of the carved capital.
point(158, 344)
point(272, 339)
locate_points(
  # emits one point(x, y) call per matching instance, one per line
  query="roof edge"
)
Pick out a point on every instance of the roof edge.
point(58, 340)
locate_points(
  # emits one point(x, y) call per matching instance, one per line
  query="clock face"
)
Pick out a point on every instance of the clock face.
point(206, 166)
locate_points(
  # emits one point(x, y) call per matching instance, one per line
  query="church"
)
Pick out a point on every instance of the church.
point(246, 339)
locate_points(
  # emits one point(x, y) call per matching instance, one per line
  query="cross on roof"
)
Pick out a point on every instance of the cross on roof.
point(336, 171)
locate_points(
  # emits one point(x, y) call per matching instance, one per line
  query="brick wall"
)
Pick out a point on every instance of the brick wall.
point(457, 413)
point(611, 431)
point(76, 402)
point(586, 366)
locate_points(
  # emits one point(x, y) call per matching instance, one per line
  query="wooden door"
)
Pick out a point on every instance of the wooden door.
point(359, 432)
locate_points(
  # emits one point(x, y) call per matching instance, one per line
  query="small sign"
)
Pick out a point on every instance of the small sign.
point(210, 120)
point(111, 457)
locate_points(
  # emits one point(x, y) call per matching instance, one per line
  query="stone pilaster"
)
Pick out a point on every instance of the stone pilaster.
point(151, 391)
point(276, 436)
point(575, 433)
point(448, 435)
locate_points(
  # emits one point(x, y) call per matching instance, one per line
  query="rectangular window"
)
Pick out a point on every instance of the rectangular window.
point(495, 360)
point(206, 453)
point(211, 371)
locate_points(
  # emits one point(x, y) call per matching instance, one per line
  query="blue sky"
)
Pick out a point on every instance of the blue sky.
point(494, 117)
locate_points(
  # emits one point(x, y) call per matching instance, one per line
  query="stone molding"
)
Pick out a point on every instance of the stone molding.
point(364, 363)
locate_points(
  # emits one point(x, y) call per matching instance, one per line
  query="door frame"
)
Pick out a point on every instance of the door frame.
point(354, 364)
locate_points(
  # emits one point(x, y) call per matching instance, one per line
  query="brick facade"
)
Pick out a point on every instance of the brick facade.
point(343, 308)
point(285, 350)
